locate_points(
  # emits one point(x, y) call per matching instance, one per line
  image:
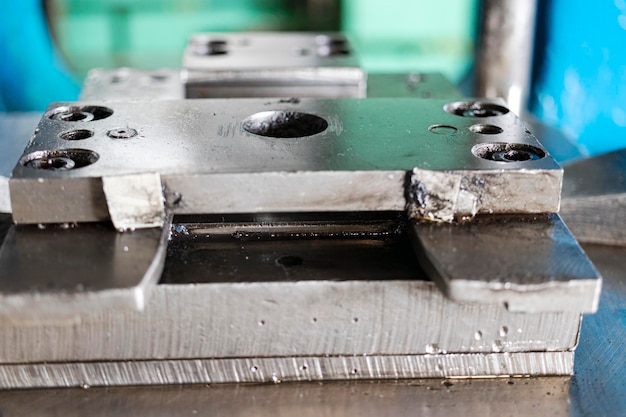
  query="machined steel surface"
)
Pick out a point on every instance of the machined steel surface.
point(277, 370)
point(594, 198)
point(596, 388)
point(528, 263)
point(60, 274)
point(166, 84)
point(248, 302)
point(272, 65)
point(256, 155)
point(130, 83)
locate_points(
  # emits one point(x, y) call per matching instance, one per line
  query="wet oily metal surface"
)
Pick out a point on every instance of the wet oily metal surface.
point(529, 263)
point(362, 161)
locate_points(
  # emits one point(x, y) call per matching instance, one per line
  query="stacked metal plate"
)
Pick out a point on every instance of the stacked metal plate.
point(277, 239)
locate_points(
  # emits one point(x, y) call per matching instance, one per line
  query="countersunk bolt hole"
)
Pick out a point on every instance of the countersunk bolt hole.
point(486, 129)
point(289, 261)
point(508, 152)
point(59, 160)
point(254, 368)
point(78, 134)
point(261, 322)
point(355, 320)
point(210, 48)
point(475, 109)
point(79, 113)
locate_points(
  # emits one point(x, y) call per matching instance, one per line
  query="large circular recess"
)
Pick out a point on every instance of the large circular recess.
point(284, 124)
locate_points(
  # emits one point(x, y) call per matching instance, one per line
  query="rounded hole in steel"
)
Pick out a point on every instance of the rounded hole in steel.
point(79, 113)
point(508, 152)
point(486, 129)
point(59, 160)
point(331, 45)
point(78, 134)
point(442, 129)
point(284, 124)
point(210, 48)
point(475, 109)
point(122, 133)
point(289, 261)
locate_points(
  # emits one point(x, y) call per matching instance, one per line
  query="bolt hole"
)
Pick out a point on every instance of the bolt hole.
point(355, 371)
point(443, 129)
point(355, 320)
point(254, 368)
point(475, 109)
point(122, 133)
point(289, 261)
point(261, 322)
point(79, 113)
point(210, 48)
point(486, 129)
point(284, 124)
point(59, 160)
point(78, 134)
point(331, 46)
point(508, 152)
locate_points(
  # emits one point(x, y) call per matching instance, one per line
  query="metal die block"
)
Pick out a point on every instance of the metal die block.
point(255, 155)
point(528, 263)
point(132, 84)
point(272, 65)
point(289, 300)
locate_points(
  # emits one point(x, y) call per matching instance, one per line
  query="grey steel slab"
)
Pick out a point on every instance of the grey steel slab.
point(527, 263)
point(316, 155)
point(245, 293)
point(278, 64)
point(594, 198)
point(132, 84)
point(59, 274)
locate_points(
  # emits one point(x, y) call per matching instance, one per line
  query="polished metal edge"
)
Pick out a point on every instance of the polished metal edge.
point(283, 369)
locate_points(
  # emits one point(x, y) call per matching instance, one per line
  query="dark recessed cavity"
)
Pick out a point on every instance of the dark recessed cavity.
point(59, 160)
point(78, 134)
point(284, 124)
point(332, 45)
point(475, 109)
point(210, 48)
point(79, 113)
point(486, 129)
point(508, 152)
point(443, 129)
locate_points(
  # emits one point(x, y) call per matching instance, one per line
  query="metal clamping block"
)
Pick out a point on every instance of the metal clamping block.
point(272, 65)
point(270, 298)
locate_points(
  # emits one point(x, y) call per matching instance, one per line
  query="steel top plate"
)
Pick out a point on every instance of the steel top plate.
point(257, 155)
